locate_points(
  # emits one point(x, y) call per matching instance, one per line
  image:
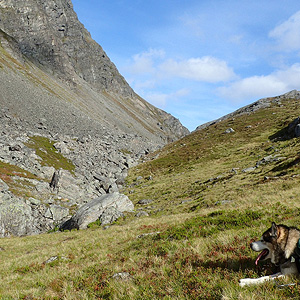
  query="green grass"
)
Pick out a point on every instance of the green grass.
point(180, 262)
point(200, 167)
point(50, 156)
point(8, 173)
point(195, 244)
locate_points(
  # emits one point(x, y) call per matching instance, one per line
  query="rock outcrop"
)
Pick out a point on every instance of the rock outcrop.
point(49, 33)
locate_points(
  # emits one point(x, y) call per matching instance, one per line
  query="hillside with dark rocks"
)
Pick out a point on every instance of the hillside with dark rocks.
point(71, 126)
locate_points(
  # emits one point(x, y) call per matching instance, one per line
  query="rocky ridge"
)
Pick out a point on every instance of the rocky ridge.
point(50, 34)
point(261, 103)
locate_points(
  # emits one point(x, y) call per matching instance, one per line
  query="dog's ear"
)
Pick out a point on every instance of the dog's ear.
point(274, 230)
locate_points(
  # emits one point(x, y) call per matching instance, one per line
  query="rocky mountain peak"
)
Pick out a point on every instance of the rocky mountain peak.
point(50, 33)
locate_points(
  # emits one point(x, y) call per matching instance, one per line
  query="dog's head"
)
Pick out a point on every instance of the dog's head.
point(268, 246)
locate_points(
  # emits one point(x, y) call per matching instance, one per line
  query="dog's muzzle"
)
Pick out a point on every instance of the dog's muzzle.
point(260, 246)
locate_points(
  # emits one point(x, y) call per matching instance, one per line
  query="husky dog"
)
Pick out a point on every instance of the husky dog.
point(281, 244)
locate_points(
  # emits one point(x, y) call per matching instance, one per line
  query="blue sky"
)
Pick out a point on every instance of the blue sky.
point(199, 59)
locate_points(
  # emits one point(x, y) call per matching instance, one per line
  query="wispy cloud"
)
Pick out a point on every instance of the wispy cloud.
point(143, 63)
point(161, 99)
point(205, 69)
point(287, 34)
point(251, 88)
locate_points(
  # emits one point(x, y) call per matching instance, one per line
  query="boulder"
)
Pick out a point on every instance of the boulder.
point(16, 218)
point(292, 127)
point(3, 186)
point(142, 214)
point(123, 276)
point(250, 169)
point(93, 210)
point(56, 212)
point(62, 148)
point(297, 130)
point(229, 130)
point(110, 215)
point(145, 201)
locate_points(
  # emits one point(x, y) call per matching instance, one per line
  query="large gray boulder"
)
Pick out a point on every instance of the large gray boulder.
point(56, 212)
point(15, 217)
point(98, 209)
point(19, 217)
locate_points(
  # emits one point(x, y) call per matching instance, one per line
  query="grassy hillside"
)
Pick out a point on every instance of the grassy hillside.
point(207, 203)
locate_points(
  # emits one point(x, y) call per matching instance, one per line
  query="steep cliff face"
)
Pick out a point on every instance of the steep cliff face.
point(49, 34)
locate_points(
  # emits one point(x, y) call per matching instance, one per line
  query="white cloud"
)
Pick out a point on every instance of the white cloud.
point(206, 69)
point(276, 83)
point(287, 34)
point(236, 39)
point(144, 62)
point(161, 99)
point(157, 99)
point(192, 24)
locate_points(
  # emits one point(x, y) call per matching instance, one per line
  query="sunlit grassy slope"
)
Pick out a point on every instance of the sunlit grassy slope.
point(207, 206)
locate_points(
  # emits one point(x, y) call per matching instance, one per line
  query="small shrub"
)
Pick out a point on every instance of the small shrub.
point(95, 224)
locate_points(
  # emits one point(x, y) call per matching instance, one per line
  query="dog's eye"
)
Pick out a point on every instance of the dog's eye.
point(266, 237)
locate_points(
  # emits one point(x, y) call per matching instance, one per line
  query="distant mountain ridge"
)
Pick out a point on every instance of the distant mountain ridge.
point(261, 103)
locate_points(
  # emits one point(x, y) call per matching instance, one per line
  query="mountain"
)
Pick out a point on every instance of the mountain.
point(45, 44)
point(71, 126)
point(198, 204)
point(252, 148)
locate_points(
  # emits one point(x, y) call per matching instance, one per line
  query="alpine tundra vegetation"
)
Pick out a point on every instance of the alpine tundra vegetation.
point(104, 196)
point(193, 243)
